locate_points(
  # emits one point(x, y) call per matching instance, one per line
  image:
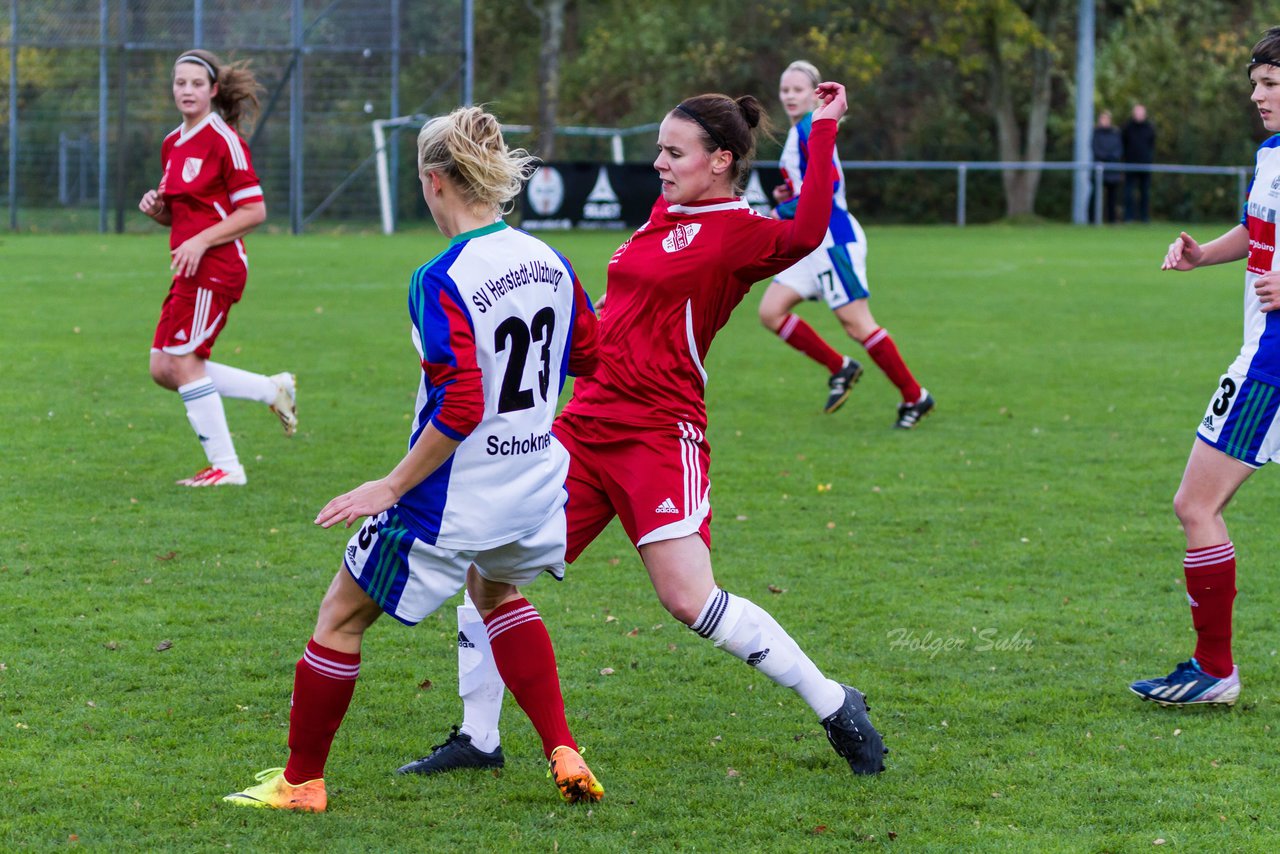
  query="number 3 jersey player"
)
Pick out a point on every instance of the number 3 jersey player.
point(1239, 432)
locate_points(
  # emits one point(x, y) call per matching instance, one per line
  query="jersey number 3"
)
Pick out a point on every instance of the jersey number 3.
point(512, 397)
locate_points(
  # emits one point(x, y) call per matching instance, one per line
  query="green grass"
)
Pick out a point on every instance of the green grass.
point(1032, 508)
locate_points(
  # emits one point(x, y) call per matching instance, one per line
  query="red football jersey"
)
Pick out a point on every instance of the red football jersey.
point(672, 286)
point(207, 175)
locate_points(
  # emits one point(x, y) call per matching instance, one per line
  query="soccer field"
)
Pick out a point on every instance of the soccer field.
point(992, 580)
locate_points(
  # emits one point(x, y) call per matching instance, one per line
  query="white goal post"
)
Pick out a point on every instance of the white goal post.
point(380, 127)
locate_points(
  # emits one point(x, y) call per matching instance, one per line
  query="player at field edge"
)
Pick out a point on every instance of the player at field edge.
point(210, 198)
point(636, 428)
point(836, 271)
point(1239, 432)
point(499, 320)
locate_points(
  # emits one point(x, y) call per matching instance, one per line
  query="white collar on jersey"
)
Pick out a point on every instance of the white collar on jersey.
point(183, 136)
point(736, 204)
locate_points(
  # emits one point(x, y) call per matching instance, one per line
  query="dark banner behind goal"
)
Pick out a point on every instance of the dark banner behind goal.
point(597, 195)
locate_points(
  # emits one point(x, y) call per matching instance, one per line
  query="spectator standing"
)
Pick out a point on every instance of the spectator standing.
point(1108, 147)
point(1139, 147)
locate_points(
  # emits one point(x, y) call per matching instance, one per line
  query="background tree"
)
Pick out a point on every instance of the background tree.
point(1007, 57)
point(550, 14)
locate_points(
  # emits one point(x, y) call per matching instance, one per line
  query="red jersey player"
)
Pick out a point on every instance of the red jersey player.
point(210, 198)
point(635, 429)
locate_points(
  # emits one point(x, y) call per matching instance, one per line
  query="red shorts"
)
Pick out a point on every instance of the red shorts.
point(190, 320)
point(655, 481)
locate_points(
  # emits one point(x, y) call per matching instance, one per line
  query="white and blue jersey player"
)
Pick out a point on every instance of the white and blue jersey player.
point(498, 320)
point(835, 272)
point(493, 321)
point(1239, 431)
point(1240, 420)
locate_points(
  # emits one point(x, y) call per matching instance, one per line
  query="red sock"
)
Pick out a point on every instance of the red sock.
point(884, 352)
point(801, 335)
point(1211, 587)
point(527, 663)
point(323, 683)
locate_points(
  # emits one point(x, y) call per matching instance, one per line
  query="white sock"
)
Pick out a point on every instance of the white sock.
point(209, 420)
point(746, 631)
point(246, 385)
point(479, 684)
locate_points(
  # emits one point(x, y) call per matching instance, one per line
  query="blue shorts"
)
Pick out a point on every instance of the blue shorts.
point(410, 579)
point(1241, 420)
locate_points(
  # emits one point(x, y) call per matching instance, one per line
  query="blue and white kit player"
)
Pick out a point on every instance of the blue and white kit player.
point(1239, 432)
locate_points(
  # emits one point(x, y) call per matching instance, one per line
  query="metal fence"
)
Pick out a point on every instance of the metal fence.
point(1095, 171)
point(88, 100)
point(902, 191)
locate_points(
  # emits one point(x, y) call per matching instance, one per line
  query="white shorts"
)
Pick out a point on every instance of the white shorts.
point(1241, 420)
point(410, 579)
point(836, 272)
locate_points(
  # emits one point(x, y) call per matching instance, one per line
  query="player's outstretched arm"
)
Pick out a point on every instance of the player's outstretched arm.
point(1186, 254)
point(371, 498)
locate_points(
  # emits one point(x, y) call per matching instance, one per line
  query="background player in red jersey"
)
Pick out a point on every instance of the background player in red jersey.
point(210, 198)
point(836, 272)
point(636, 428)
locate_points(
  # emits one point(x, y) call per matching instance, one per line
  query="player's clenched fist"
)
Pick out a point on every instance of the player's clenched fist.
point(151, 204)
point(834, 104)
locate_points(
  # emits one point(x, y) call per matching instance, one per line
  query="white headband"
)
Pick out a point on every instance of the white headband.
point(213, 75)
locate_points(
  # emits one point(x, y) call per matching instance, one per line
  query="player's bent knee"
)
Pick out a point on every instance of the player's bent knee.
point(857, 330)
point(1192, 512)
point(162, 377)
point(346, 610)
point(682, 608)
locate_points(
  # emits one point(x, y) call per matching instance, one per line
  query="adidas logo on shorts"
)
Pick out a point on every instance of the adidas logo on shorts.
point(465, 642)
point(667, 506)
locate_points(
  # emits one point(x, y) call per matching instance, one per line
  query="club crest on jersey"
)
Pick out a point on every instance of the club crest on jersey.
point(680, 237)
point(191, 168)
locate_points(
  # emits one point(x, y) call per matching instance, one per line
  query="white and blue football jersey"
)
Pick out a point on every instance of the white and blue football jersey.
point(494, 325)
point(794, 164)
point(1259, 357)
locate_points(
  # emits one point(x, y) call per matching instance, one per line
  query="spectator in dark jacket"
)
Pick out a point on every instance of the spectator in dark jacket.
point(1108, 147)
point(1139, 147)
